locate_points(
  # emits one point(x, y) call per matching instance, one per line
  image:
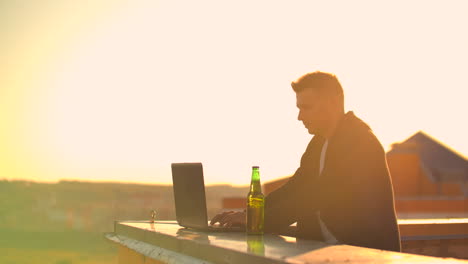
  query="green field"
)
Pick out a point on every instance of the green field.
point(64, 222)
point(65, 247)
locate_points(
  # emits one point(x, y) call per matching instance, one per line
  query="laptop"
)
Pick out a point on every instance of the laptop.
point(190, 200)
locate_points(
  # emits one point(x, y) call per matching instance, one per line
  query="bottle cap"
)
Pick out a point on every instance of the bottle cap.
point(255, 167)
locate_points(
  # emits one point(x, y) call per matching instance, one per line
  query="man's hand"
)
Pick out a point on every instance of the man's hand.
point(228, 219)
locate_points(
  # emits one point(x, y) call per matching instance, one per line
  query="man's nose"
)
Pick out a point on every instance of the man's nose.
point(299, 116)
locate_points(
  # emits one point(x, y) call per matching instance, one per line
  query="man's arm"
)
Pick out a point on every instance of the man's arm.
point(281, 206)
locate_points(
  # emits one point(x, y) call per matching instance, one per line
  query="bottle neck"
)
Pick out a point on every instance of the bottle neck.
point(255, 185)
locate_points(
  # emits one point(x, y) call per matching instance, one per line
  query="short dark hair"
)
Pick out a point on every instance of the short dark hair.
point(324, 82)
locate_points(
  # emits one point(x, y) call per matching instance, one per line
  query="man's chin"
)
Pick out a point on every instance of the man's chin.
point(311, 131)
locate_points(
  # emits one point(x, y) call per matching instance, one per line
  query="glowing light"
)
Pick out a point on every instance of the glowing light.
point(110, 90)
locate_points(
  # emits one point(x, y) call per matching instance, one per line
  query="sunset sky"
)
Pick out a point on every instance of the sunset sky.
point(117, 90)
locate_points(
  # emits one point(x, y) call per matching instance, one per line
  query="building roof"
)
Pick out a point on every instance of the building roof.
point(440, 163)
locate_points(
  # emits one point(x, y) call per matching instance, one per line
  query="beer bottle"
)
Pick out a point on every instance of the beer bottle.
point(255, 245)
point(255, 205)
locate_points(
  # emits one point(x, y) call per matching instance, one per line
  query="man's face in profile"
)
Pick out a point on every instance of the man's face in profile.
point(314, 112)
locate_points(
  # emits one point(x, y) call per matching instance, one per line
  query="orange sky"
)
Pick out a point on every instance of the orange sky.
point(117, 90)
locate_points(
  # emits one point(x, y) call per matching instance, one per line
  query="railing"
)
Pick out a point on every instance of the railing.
point(435, 237)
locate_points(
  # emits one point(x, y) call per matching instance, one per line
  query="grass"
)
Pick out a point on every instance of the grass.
point(58, 247)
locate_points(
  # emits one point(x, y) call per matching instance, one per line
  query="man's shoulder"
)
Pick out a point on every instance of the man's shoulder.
point(353, 133)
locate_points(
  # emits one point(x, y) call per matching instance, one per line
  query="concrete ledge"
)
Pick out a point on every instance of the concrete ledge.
point(170, 243)
point(148, 250)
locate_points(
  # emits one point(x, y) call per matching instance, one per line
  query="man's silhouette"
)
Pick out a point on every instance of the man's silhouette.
point(342, 191)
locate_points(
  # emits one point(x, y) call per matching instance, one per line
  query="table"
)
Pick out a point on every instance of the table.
point(167, 242)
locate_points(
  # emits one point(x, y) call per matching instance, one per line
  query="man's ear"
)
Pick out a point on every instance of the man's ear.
point(334, 102)
point(330, 103)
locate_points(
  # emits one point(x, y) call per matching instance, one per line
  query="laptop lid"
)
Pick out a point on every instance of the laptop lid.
point(189, 194)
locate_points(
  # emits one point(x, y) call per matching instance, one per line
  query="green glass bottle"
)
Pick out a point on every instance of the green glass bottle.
point(255, 245)
point(255, 205)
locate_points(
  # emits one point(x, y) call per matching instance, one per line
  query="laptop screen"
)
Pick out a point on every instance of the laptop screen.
point(189, 194)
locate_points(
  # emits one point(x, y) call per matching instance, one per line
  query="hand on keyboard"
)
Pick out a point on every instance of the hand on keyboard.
point(228, 219)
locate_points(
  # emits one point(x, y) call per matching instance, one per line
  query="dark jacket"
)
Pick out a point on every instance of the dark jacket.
point(354, 193)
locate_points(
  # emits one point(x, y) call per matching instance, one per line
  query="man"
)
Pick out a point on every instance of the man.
point(342, 191)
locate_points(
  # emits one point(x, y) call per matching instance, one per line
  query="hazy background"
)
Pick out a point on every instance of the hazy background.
point(117, 90)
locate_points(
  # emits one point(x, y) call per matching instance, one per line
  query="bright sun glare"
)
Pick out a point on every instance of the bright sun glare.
point(111, 90)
